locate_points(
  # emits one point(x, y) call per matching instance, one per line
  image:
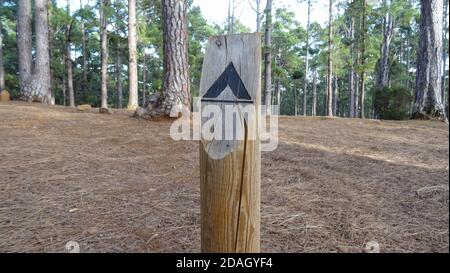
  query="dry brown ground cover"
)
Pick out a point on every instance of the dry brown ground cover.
point(114, 183)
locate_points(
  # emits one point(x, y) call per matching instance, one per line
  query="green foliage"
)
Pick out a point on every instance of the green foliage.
point(392, 103)
point(288, 51)
point(199, 31)
point(9, 22)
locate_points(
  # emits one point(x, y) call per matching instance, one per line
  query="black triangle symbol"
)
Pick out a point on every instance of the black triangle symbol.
point(230, 78)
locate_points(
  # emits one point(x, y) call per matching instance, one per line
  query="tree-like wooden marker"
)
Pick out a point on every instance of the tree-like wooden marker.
point(230, 167)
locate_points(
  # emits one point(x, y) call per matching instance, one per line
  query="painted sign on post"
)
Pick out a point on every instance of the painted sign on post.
point(230, 155)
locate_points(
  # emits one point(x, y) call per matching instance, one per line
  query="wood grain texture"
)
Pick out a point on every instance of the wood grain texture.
point(230, 169)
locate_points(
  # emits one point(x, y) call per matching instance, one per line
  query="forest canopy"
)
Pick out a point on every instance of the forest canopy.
point(373, 46)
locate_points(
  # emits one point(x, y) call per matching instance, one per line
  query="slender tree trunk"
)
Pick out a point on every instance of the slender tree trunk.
point(278, 91)
point(408, 62)
point(351, 94)
point(357, 96)
point(330, 61)
point(335, 95)
point(50, 48)
point(69, 61)
point(233, 10)
point(314, 95)
point(295, 100)
point(133, 103)
point(363, 60)
point(351, 72)
point(268, 57)
point(305, 83)
point(325, 100)
point(444, 54)
point(64, 89)
point(24, 44)
point(428, 101)
point(70, 77)
point(257, 10)
point(104, 53)
point(388, 34)
point(229, 17)
point(119, 92)
point(273, 96)
point(277, 87)
point(144, 81)
point(83, 52)
point(363, 95)
point(258, 15)
point(2, 70)
point(401, 60)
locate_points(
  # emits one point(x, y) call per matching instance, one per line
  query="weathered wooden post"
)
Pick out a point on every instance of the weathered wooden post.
point(230, 166)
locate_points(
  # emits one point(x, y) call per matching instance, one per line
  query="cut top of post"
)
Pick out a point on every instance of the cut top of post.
point(232, 60)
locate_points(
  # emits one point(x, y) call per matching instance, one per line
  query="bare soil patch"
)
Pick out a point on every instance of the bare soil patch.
point(117, 184)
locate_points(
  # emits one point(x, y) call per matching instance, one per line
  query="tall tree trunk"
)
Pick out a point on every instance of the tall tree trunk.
point(330, 62)
point(335, 95)
point(305, 83)
point(69, 60)
point(70, 77)
point(278, 92)
point(277, 87)
point(408, 57)
point(119, 91)
point(428, 100)
point(24, 44)
point(50, 48)
point(363, 59)
point(363, 95)
point(351, 72)
point(314, 95)
point(144, 81)
point(176, 67)
point(229, 18)
point(268, 58)
point(64, 89)
point(104, 53)
point(273, 95)
point(42, 70)
point(83, 52)
point(233, 18)
point(257, 9)
point(2, 70)
point(388, 34)
point(295, 100)
point(175, 98)
point(258, 15)
point(357, 85)
point(325, 100)
point(37, 88)
point(444, 54)
point(133, 103)
point(351, 94)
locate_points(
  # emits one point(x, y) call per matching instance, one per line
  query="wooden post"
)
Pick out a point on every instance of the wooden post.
point(230, 168)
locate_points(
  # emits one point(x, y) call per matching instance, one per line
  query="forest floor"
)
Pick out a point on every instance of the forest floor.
point(113, 183)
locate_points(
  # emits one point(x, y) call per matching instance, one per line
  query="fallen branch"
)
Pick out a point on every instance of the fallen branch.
point(429, 190)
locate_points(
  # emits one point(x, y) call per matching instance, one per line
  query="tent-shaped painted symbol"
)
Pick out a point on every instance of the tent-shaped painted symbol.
point(231, 78)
